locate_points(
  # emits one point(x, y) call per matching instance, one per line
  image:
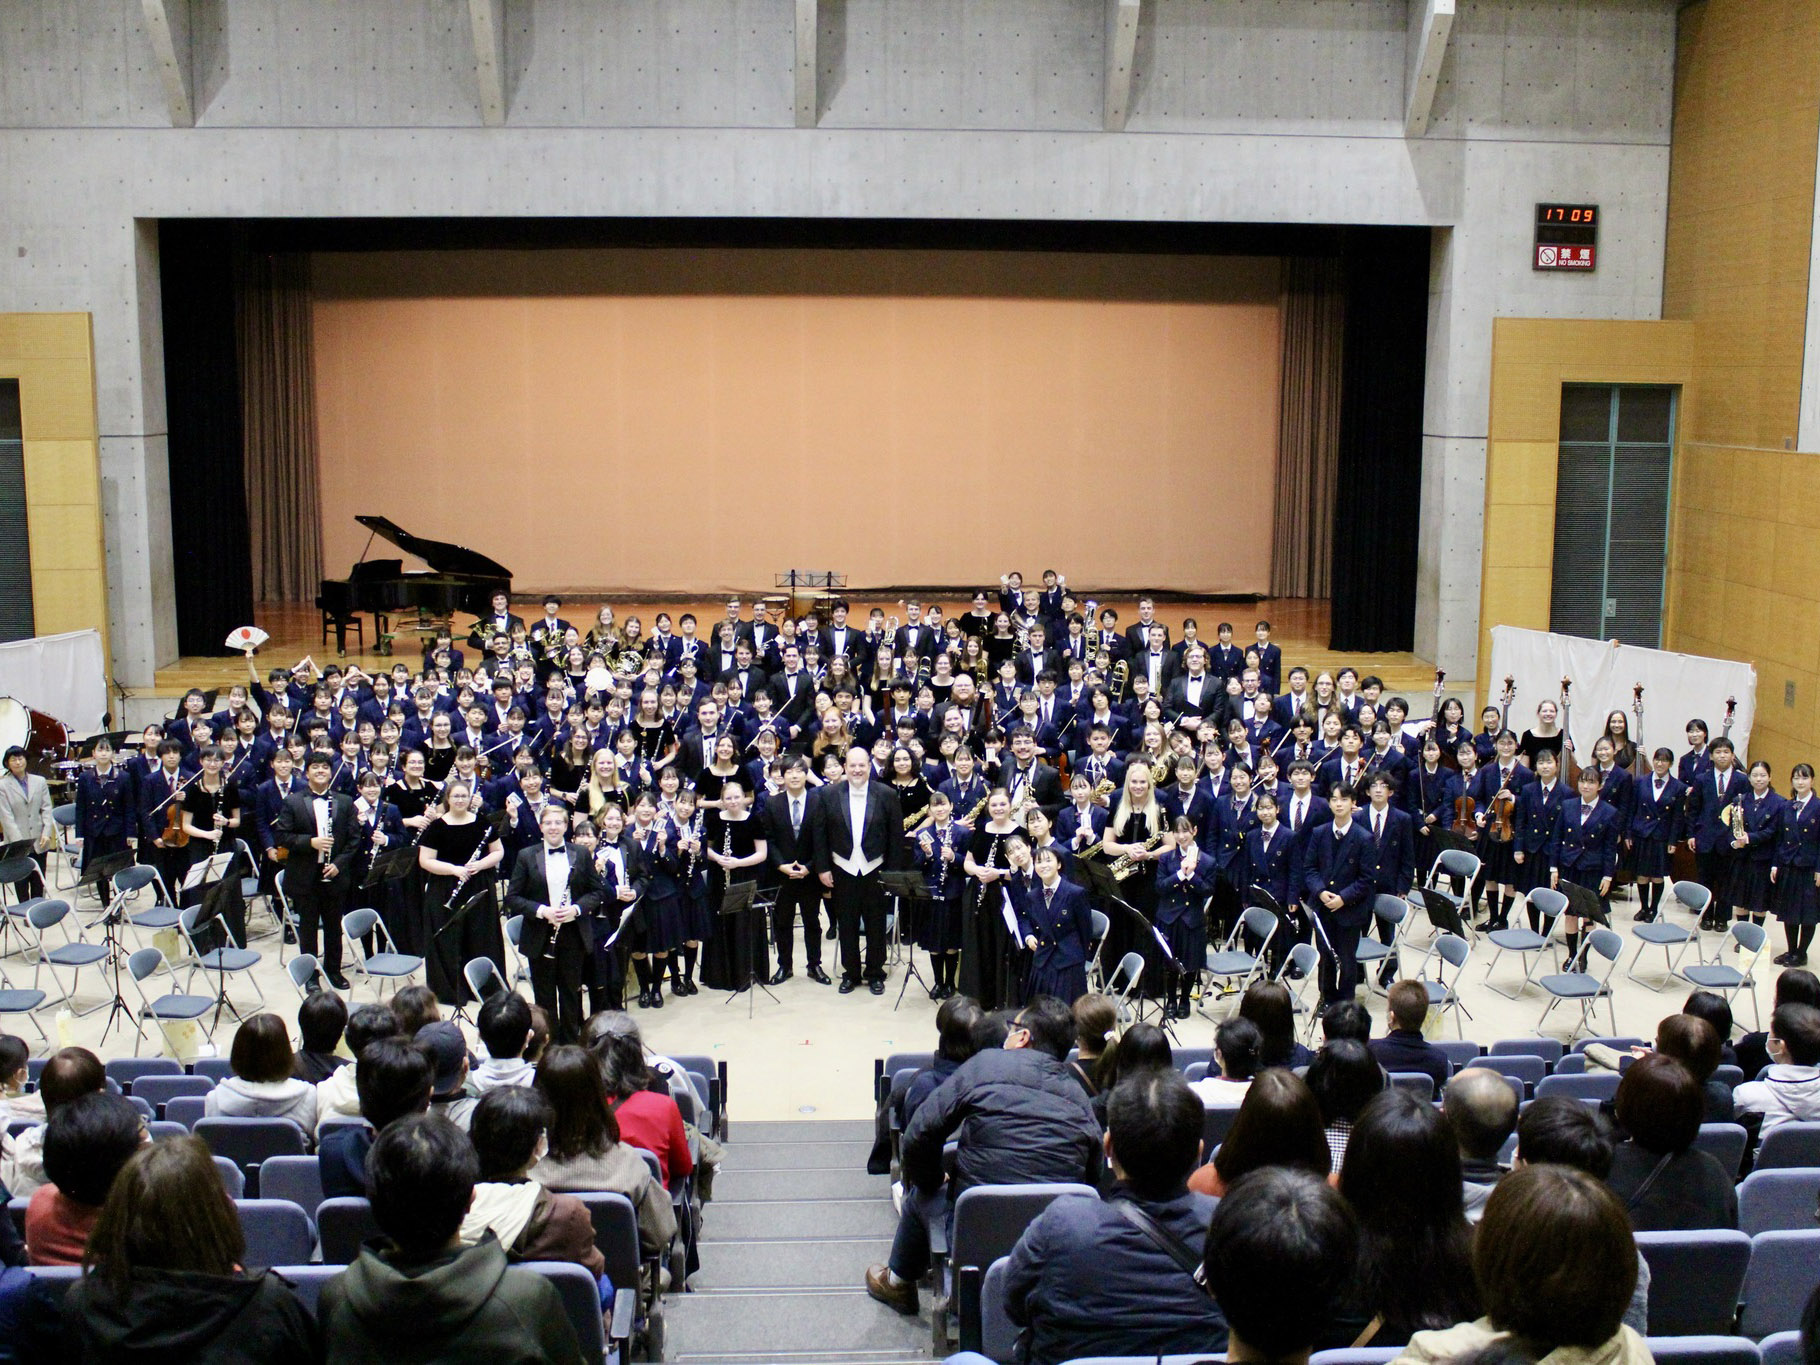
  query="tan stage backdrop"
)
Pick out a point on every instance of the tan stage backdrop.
point(658, 420)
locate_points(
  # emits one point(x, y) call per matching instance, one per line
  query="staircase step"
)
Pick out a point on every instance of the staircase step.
point(800, 1358)
point(832, 1263)
point(806, 1220)
point(808, 1156)
point(825, 1325)
point(802, 1130)
point(792, 1183)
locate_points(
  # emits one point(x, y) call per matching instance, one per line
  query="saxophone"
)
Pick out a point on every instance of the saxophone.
point(974, 814)
point(1126, 864)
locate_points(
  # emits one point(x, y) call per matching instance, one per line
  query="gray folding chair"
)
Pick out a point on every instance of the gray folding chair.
point(1447, 950)
point(1123, 984)
point(306, 974)
point(1391, 912)
point(483, 978)
point(1777, 1200)
point(1724, 978)
point(250, 1141)
point(1660, 933)
point(1305, 961)
point(1784, 1272)
point(988, 1220)
point(1526, 942)
point(1102, 925)
point(72, 955)
point(342, 1224)
point(1694, 1279)
point(390, 964)
point(1584, 988)
point(296, 1178)
point(277, 1232)
point(165, 1010)
point(24, 1001)
point(229, 960)
point(1231, 958)
point(159, 915)
point(1725, 1144)
point(1789, 1144)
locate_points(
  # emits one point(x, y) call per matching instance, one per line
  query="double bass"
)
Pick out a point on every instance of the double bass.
point(1570, 766)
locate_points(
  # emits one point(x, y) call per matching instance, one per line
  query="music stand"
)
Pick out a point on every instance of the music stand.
point(98, 876)
point(210, 876)
point(394, 864)
point(1106, 886)
point(905, 888)
point(736, 902)
point(1583, 904)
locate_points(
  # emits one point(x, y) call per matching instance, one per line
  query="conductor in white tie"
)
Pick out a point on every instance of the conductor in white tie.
point(556, 889)
point(859, 830)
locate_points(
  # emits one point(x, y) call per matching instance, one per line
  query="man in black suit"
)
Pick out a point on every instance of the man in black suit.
point(557, 891)
point(792, 689)
point(1195, 693)
point(1147, 630)
point(1337, 886)
point(788, 851)
point(503, 621)
point(857, 832)
point(1024, 767)
point(317, 828)
point(696, 749)
point(1154, 661)
point(914, 636)
point(745, 671)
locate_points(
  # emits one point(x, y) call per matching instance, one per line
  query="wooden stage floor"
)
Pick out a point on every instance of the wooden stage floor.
point(1299, 627)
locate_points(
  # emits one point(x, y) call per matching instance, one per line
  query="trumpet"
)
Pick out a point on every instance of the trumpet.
point(1127, 863)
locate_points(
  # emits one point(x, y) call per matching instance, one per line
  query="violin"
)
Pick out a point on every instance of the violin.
point(1500, 821)
point(1464, 813)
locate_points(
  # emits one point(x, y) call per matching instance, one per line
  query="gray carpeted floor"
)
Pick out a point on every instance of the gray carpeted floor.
point(794, 1223)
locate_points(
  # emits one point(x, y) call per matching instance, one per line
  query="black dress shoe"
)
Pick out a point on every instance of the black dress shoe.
point(339, 982)
point(878, 985)
point(847, 985)
point(644, 998)
point(817, 975)
point(781, 975)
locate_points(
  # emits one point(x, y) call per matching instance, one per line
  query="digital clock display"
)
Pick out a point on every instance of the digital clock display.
point(1567, 236)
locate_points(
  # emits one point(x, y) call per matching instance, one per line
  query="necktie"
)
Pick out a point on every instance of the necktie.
point(796, 815)
point(1377, 827)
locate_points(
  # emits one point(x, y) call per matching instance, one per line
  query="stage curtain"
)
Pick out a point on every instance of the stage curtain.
point(1308, 427)
point(278, 406)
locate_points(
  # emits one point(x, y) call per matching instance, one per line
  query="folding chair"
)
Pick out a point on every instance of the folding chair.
point(1456, 864)
point(159, 1091)
point(296, 1178)
point(159, 916)
point(13, 871)
point(306, 974)
point(277, 1232)
point(166, 1009)
point(1548, 903)
point(1305, 960)
point(483, 978)
point(390, 964)
point(1231, 959)
point(63, 819)
point(228, 960)
point(1123, 983)
point(1725, 1143)
point(515, 928)
point(988, 1220)
point(1102, 925)
point(1777, 1200)
point(247, 1142)
point(1727, 980)
point(1443, 995)
point(287, 917)
point(1694, 1279)
point(74, 953)
point(1392, 912)
point(1659, 933)
point(25, 1001)
point(1583, 987)
point(1789, 1145)
point(1784, 1272)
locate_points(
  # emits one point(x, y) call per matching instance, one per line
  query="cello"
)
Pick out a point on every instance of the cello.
point(1570, 767)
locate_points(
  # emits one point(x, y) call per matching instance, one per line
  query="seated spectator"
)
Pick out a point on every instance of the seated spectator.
point(1095, 1019)
point(1346, 1019)
point(395, 1077)
point(426, 1297)
point(647, 1117)
point(1269, 1005)
point(1237, 1046)
point(1344, 1079)
point(1279, 1124)
point(1144, 1047)
point(1561, 1132)
point(1402, 1177)
point(505, 1032)
point(262, 1086)
point(1554, 1265)
point(955, 1020)
point(1691, 1041)
point(166, 1281)
point(666, 1073)
point(1116, 1275)
point(338, 1094)
point(1021, 1119)
point(415, 1006)
point(1281, 1251)
point(1796, 986)
point(86, 1142)
point(321, 1020)
point(585, 1152)
point(1717, 1011)
point(16, 1104)
point(450, 1094)
point(508, 1130)
point(70, 1074)
point(1665, 1182)
point(540, 1034)
point(1788, 1090)
point(1403, 1048)
point(1481, 1108)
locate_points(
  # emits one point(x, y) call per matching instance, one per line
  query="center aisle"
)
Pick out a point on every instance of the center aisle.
point(794, 1223)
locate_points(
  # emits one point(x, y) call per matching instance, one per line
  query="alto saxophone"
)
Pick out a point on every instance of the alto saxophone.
point(974, 814)
point(1126, 864)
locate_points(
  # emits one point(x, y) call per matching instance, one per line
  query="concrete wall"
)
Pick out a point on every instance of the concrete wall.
point(1287, 111)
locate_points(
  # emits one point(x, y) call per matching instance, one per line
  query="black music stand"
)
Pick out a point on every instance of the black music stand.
point(98, 876)
point(1583, 904)
point(907, 889)
point(394, 864)
point(826, 580)
point(736, 903)
point(1106, 887)
point(211, 877)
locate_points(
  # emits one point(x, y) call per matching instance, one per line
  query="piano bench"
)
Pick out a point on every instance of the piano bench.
point(341, 627)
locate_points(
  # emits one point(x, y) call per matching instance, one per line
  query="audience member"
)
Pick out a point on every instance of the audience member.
point(1346, 1019)
point(1269, 1005)
point(1344, 1078)
point(69, 1074)
point(395, 1077)
point(1558, 1131)
point(647, 1117)
point(1117, 1275)
point(426, 1297)
point(165, 1280)
point(1403, 1048)
point(1716, 1010)
point(321, 1020)
point(338, 1094)
point(585, 1151)
point(1021, 1119)
point(1788, 1090)
point(1554, 1265)
point(1796, 986)
point(955, 1020)
point(1143, 1047)
point(1691, 1041)
point(17, 1105)
point(1279, 1124)
point(1481, 1108)
point(1402, 1177)
point(1666, 1183)
point(1281, 1251)
point(415, 1006)
point(450, 1094)
point(1095, 1019)
point(509, 1129)
point(540, 1034)
point(596, 1035)
point(1237, 1047)
point(262, 1086)
point(505, 1032)
point(86, 1142)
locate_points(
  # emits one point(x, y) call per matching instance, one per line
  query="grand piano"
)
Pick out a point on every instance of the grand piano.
point(458, 579)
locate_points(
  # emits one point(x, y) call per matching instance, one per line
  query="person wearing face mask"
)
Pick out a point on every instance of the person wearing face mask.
point(508, 1128)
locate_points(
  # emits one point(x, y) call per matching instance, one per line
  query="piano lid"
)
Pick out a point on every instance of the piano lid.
point(438, 554)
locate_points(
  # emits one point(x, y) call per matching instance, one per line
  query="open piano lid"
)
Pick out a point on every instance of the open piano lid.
point(441, 556)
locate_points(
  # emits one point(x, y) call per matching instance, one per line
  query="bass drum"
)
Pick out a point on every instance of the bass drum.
point(44, 738)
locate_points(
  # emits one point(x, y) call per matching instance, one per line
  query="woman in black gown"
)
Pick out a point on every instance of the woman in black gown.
point(459, 853)
point(735, 848)
point(1138, 831)
point(987, 961)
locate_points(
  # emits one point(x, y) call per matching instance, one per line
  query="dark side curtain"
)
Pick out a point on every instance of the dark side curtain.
point(1379, 491)
point(278, 415)
point(209, 544)
point(1308, 427)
